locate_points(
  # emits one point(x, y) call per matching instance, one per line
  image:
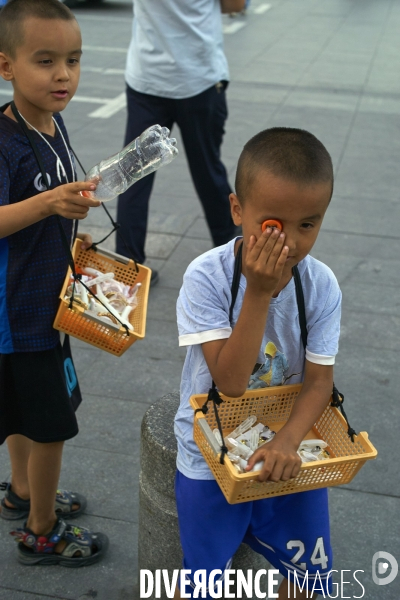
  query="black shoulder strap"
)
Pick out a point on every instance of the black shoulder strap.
point(236, 280)
point(301, 305)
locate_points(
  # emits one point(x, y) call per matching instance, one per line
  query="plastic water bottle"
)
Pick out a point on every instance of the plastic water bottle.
point(147, 153)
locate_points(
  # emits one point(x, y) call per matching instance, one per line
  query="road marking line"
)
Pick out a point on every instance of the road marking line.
point(105, 49)
point(103, 71)
point(233, 28)
point(90, 99)
point(259, 10)
point(106, 19)
point(110, 108)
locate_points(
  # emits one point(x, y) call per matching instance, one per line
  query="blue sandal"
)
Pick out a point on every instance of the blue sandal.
point(82, 548)
point(63, 504)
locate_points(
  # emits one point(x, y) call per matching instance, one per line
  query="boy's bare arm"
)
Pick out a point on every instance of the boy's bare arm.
point(231, 361)
point(64, 200)
point(230, 6)
point(281, 461)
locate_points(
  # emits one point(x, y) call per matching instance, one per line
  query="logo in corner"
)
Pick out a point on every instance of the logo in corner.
point(381, 561)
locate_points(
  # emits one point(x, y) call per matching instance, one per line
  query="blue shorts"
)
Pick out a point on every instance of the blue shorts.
point(291, 532)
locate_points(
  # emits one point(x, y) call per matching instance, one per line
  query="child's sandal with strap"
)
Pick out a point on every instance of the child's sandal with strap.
point(82, 547)
point(63, 504)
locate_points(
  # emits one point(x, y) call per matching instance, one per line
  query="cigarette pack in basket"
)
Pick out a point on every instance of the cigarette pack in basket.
point(109, 337)
point(272, 407)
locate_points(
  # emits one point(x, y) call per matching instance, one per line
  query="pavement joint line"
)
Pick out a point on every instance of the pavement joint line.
point(350, 344)
point(370, 346)
point(107, 397)
point(138, 401)
point(106, 49)
point(193, 237)
point(129, 456)
point(72, 445)
point(363, 311)
point(90, 17)
point(40, 595)
point(332, 90)
point(349, 489)
point(358, 234)
point(87, 514)
point(352, 271)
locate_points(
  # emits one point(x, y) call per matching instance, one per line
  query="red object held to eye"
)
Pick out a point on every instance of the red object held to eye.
point(272, 223)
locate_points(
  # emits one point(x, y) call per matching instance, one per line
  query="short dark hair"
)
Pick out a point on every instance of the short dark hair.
point(13, 14)
point(292, 154)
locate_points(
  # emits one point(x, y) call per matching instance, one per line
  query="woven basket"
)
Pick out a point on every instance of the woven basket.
point(109, 337)
point(273, 407)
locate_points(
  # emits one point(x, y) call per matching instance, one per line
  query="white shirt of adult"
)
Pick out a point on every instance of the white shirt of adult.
point(176, 50)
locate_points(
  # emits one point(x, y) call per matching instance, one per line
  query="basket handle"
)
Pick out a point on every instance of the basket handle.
point(110, 254)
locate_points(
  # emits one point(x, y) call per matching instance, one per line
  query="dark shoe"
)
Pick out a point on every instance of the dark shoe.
point(63, 505)
point(154, 279)
point(22, 507)
point(82, 547)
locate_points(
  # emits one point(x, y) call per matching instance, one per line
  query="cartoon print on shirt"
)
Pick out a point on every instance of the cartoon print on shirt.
point(272, 371)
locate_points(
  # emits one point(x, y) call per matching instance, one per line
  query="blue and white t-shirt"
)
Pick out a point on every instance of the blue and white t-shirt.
point(203, 316)
point(33, 261)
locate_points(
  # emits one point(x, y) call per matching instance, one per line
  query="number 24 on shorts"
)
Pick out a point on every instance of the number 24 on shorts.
point(318, 556)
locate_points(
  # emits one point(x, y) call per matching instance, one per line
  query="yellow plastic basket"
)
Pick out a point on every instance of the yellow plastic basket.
point(273, 407)
point(109, 337)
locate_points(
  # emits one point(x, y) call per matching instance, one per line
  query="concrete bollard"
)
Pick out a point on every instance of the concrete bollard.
point(159, 545)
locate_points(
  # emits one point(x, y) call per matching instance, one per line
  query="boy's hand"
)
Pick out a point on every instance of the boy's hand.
point(67, 201)
point(265, 260)
point(87, 240)
point(281, 461)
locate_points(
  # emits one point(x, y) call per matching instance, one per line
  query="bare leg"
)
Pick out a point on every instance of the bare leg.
point(44, 468)
point(19, 448)
point(35, 473)
point(286, 591)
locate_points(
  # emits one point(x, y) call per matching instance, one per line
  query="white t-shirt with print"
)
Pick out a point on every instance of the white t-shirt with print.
point(203, 316)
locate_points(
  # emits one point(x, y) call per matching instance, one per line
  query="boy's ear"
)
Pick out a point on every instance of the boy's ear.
point(236, 209)
point(6, 71)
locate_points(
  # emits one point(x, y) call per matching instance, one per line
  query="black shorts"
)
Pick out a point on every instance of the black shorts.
point(39, 394)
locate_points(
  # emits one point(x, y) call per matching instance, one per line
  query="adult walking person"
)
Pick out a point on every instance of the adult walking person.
point(177, 72)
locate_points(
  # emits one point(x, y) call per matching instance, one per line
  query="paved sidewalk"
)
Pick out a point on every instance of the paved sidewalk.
point(330, 66)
